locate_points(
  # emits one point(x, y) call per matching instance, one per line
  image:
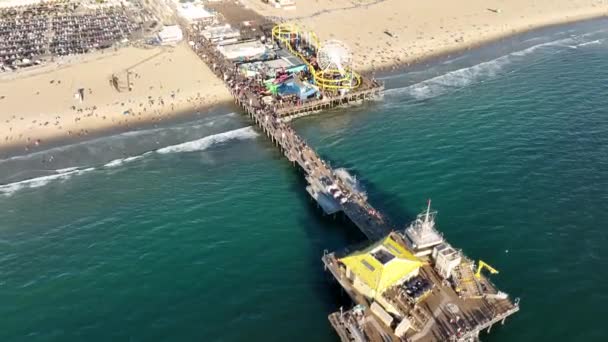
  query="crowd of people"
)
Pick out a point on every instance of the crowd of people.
point(252, 93)
point(30, 33)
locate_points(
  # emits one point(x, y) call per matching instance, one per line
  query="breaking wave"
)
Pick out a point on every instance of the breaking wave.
point(556, 43)
point(206, 142)
point(455, 79)
point(461, 78)
point(179, 130)
point(118, 162)
point(67, 169)
point(62, 174)
point(67, 173)
point(594, 42)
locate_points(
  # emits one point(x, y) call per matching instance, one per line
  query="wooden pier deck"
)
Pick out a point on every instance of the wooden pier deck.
point(318, 173)
point(273, 122)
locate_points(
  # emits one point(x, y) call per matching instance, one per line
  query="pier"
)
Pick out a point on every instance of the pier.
point(331, 193)
point(329, 190)
point(408, 285)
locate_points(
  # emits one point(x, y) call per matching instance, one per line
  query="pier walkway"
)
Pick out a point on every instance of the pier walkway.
point(319, 175)
point(325, 186)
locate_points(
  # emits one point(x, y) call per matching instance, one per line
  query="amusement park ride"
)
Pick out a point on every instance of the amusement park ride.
point(331, 68)
point(483, 265)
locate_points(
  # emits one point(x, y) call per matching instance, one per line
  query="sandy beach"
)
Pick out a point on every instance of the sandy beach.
point(421, 29)
point(37, 105)
point(40, 104)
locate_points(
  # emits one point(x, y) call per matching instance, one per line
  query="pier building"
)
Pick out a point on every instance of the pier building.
point(380, 266)
point(434, 297)
point(421, 234)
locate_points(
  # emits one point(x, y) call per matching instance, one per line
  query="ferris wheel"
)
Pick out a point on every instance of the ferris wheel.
point(334, 55)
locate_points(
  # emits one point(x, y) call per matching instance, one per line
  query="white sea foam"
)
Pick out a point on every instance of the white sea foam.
point(594, 42)
point(464, 77)
point(59, 149)
point(454, 79)
point(69, 172)
point(67, 169)
point(9, 189)
point(118, 162)
point(555, 43)
point(206, 142)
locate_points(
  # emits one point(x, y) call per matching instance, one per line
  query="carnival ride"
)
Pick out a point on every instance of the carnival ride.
point(331, 66)
point(483, 265)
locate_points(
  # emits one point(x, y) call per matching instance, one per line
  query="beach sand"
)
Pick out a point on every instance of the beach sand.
point(422, 29)
point(37, 105)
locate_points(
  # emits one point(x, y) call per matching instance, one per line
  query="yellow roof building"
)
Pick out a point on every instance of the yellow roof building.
point(380, 266)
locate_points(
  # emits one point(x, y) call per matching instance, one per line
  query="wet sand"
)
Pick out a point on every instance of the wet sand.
point(39, 105)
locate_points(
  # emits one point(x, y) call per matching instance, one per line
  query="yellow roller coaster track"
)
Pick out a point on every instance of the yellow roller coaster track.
point(324, 79)
point(483, 265)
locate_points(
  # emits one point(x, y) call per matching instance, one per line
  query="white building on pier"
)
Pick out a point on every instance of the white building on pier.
point(421, 234)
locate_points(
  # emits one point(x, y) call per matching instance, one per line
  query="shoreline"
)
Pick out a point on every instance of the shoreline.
point(384, 34)
point(189, 113)
point(181, 116)
point(62, 100)
point(457, 52)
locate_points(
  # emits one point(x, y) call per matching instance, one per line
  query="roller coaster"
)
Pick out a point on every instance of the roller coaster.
point(330, 78)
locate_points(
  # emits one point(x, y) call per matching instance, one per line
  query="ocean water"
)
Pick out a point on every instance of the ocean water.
point(201, 231)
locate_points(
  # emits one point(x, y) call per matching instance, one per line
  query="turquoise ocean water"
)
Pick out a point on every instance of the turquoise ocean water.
point(202, 232)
